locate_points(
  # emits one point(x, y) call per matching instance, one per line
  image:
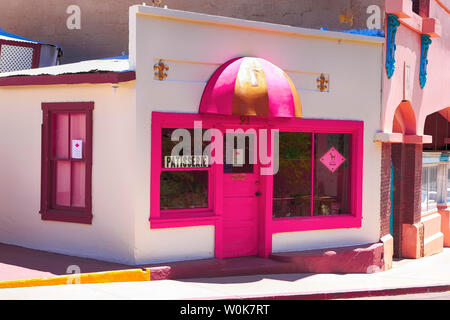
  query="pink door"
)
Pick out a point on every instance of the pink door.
point(241, 191)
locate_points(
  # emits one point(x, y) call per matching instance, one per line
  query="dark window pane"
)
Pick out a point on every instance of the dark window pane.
point(331, 173)
point(167, 145)
point(292, 183)
point(416, 6)
point(184, 190)
point(240, 153)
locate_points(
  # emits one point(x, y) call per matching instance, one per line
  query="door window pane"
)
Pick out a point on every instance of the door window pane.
point(238, 155)
point(331, 173)
point(292, 183)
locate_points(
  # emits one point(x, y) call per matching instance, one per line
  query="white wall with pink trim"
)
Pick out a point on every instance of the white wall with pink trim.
point(194, 45)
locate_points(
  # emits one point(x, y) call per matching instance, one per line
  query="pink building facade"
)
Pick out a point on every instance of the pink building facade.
point(415, 90)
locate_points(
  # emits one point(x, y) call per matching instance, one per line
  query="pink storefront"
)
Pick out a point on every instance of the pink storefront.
point(315, 185)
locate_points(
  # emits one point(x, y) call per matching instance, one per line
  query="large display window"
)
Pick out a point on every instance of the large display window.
point(317, 183)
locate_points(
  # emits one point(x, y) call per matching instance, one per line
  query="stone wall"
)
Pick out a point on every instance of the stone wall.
point(104, 23)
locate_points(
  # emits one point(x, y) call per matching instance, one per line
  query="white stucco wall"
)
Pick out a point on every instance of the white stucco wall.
point(111, 235)
point(194, 46)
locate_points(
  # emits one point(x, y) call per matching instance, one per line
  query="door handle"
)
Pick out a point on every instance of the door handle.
point(257, 193)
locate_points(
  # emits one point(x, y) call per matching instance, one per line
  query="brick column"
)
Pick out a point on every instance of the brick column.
point(385, 192)
point(407, 160)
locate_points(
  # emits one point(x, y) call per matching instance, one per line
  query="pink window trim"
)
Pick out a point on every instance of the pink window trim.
point(69, 214)
point(195, 217)
point(36, 49)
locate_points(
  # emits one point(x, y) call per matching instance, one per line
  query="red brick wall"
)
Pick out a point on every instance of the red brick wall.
point(385, 192)
point(407, 160)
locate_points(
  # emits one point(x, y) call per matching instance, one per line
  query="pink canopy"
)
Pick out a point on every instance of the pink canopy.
point(250, 87)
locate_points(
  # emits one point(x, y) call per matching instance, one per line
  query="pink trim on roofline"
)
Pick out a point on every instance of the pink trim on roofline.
point(76, 78)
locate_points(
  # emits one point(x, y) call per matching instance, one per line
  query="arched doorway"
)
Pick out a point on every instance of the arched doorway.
point(404, 207)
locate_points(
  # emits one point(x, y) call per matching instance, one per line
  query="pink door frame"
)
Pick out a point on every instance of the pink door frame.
point(267, 225)
point(240, 223)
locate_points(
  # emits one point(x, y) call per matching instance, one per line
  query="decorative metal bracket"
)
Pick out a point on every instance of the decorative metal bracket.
point(425, 45)
point(160, 69)
point(322, 83)
point(392, 26)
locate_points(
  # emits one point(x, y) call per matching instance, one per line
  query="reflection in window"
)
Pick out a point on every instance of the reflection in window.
point(292, 183)
point(327, 172)
point(429, 188)
point(184, 190)
point(167, 145)
point(331, 174)
point(185, 176)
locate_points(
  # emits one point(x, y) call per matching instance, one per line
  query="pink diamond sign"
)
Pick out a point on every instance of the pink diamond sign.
point(332, 159)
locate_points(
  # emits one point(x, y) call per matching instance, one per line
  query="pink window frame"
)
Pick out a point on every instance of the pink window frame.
point(75, 215)
point(177, 217)
point(36, 50)
point(194, 217)
point(351, 220)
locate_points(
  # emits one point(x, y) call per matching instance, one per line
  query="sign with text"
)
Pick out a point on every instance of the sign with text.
point(186, 161)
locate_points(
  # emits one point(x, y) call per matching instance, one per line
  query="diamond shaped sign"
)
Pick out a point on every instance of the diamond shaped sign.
point(332, 159)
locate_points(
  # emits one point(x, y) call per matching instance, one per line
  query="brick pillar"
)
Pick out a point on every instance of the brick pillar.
point(407, 160)
point(385, 192)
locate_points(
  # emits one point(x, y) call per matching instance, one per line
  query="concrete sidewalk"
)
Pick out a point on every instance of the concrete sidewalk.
point(407, 276)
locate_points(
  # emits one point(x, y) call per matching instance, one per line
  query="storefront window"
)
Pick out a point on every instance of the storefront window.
point(292, 183)
point(329, 180)
point(331, 174)
point(184, 189)
point(185, 174)
point(429, 188)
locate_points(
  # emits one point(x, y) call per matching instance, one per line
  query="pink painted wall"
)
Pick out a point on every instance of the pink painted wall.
point(436, 93)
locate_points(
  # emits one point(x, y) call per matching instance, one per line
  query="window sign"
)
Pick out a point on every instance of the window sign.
point(77, 149)
point(332, 159)
point(186, 161)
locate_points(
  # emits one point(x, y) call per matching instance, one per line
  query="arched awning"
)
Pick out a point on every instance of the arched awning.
point(250, 87)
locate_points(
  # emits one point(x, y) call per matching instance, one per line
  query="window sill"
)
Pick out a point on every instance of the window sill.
point(67, 216)
point(178, 220)
point(294, 224)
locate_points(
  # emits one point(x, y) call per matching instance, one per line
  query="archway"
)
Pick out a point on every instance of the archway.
point(404, 119)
